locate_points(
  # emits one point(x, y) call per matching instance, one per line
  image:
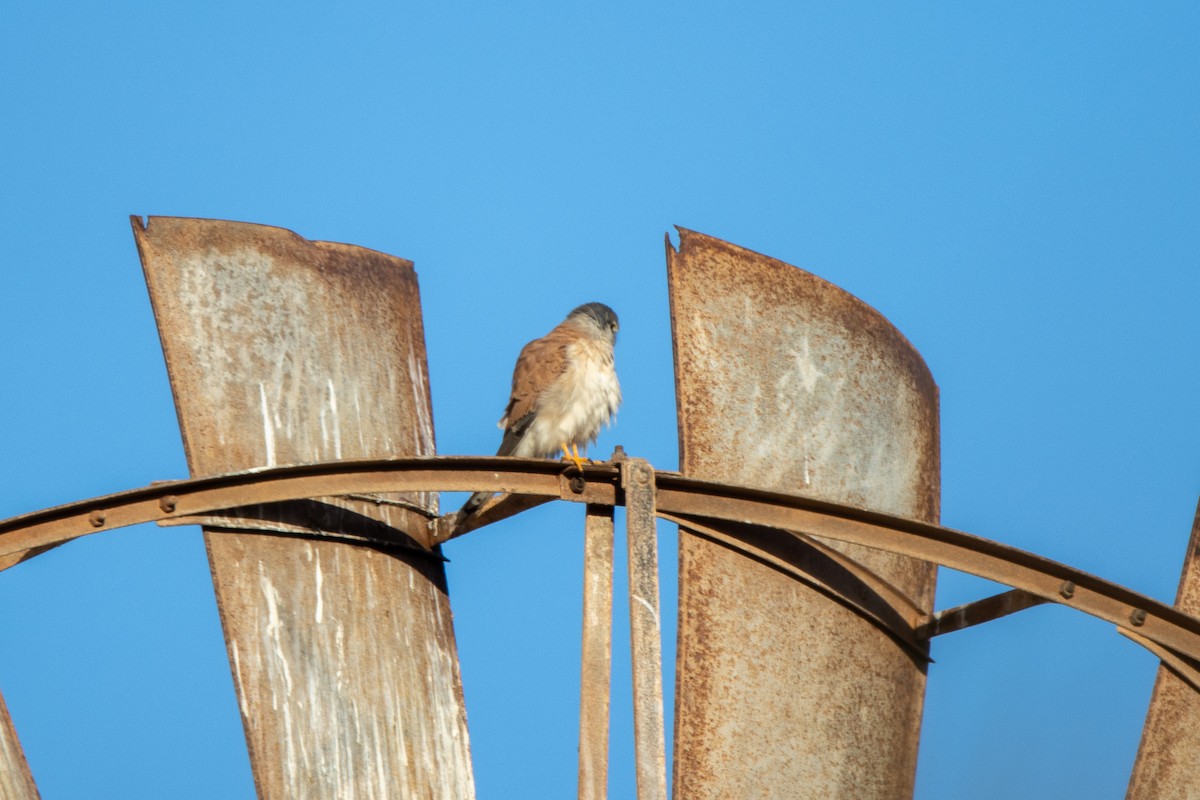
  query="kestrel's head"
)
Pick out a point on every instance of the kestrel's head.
point(597, 318)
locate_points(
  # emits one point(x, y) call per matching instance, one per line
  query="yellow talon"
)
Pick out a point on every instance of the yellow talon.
point(573, 456)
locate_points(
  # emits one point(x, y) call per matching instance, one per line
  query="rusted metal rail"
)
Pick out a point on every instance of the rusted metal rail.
point(678, 496)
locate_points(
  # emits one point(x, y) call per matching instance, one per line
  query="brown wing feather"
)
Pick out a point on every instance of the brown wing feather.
point(541, 362)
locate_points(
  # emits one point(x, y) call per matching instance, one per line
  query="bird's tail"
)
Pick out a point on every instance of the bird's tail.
point(473, 503)
point(512, 437)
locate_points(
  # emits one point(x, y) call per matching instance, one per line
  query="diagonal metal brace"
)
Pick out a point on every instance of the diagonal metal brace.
point(978, 612)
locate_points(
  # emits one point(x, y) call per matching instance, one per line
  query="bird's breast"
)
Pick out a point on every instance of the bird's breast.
point(578, 404)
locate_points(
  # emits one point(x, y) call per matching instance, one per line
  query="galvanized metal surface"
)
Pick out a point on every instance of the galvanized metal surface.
point(645, 629)
point(596, 660)
point(283, 351)
point(16, 781)
point(787, 382)
point(1168, 759)
point(677, 496)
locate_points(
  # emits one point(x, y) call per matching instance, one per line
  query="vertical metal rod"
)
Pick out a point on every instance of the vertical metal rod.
point(645, 630)
point(596, 672)
point(16, 781)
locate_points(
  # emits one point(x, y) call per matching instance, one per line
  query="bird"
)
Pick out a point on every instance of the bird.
point(564, 389)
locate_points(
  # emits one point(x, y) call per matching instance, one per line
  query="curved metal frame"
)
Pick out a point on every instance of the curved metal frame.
point(722, 510)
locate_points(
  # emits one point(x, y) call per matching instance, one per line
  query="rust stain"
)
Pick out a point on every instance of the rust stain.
point(284, 351)
point(788, 383)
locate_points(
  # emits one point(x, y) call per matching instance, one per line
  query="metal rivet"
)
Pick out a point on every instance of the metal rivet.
point(1067, 589)
point(1138, 616)
point(97, 519)
point(577, 484)
point(643, 475)
point(167, 504)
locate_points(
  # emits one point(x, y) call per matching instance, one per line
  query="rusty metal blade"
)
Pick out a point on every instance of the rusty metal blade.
point(645, 629)
point(787, 383)
point(596, 670)
point(16, 781)
point(1168, 759)
point(281, 351)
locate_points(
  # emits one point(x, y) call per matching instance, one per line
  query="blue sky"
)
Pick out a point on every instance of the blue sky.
point(1015, 186)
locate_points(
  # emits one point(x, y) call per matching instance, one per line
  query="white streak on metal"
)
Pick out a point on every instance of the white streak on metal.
point(419, 382)
point(237, 670)
point(319, 614)
point(274, 627)
point(380, 765)
point(268, 428)
point(340, 678)
point(337, 424)
point(358, 413)
point(322, 418)
point(273, 636)
point(653, 611)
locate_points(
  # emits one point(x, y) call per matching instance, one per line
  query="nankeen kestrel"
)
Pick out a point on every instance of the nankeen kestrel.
point(564, 389)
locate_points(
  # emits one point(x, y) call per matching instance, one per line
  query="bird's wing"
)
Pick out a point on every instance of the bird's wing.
point(540, 364)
